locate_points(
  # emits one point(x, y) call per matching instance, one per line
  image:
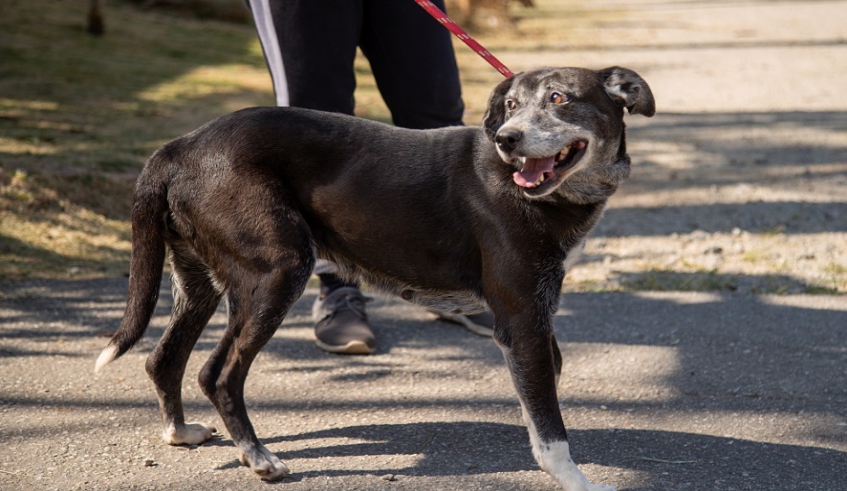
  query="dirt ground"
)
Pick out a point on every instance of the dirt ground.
point(721, 365)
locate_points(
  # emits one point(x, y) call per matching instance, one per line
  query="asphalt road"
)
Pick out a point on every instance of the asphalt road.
point(662, 391)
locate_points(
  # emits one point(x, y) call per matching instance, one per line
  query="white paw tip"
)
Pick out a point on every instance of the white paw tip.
point(188, 434)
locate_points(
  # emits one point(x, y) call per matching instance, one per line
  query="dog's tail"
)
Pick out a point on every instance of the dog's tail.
point(149, 211)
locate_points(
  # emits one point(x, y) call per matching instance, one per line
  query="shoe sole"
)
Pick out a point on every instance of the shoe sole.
point(351, 348)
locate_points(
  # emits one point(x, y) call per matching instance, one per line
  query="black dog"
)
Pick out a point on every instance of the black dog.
point(455, 218)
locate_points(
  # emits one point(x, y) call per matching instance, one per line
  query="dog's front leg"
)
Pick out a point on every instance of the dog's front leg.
point(527, 342)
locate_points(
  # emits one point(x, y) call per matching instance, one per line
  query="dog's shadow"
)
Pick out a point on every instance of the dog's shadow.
point(661, 459)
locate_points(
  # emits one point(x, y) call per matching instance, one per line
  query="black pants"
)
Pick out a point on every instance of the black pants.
point(310, 46)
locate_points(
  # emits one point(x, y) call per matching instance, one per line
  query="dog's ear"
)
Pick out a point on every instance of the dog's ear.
point(496, 112)
point(629, 89)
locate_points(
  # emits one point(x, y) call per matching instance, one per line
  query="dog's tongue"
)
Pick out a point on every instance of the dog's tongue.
point(532, 170)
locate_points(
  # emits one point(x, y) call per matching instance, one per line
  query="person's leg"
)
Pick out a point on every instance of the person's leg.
point(310, 47)
point(412, 58)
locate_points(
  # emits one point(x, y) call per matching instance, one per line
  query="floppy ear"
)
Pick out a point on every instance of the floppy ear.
point(628, 89)
point(496, 112)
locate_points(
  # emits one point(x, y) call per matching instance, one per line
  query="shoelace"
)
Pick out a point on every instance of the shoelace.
point(354, 302)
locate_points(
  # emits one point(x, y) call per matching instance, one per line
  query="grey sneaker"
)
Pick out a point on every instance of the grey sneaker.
point(342, 324)
point(481, 324)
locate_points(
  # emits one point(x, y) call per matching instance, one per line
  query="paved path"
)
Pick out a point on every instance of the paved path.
point(662, 391)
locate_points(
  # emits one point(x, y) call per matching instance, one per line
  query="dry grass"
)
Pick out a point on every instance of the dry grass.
point(80, 114)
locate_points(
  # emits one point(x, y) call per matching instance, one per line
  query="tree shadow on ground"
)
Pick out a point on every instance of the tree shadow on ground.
point(731, 354)
point(788, 355)
point(672, 460)
point(788, 217)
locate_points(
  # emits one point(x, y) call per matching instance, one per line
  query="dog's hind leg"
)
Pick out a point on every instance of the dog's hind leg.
point(195, 299)
point(258, 300)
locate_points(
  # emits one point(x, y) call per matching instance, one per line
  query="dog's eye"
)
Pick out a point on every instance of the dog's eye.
point(510, 104)
point(557, 98)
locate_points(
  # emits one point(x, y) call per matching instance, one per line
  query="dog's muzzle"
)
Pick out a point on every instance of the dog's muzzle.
point(535, 172)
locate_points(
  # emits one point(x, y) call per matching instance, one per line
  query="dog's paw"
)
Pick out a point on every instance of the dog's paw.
point(264, 463)
point(572, 479)
point(188, 434)
point(599, 487)
point(578, 482)
point(555, 458)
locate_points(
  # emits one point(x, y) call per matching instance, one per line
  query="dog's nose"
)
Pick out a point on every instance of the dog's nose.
point(508, 139)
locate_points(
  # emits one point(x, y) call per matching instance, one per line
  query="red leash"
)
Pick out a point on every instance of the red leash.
point(464, 36)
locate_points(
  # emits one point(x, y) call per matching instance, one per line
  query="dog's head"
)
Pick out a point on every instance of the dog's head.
point(564, 124)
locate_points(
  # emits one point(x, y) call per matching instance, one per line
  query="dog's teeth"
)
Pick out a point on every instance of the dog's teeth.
point(542, 178)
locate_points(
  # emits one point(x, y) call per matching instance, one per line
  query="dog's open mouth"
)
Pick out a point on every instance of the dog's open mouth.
point(539, 173)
